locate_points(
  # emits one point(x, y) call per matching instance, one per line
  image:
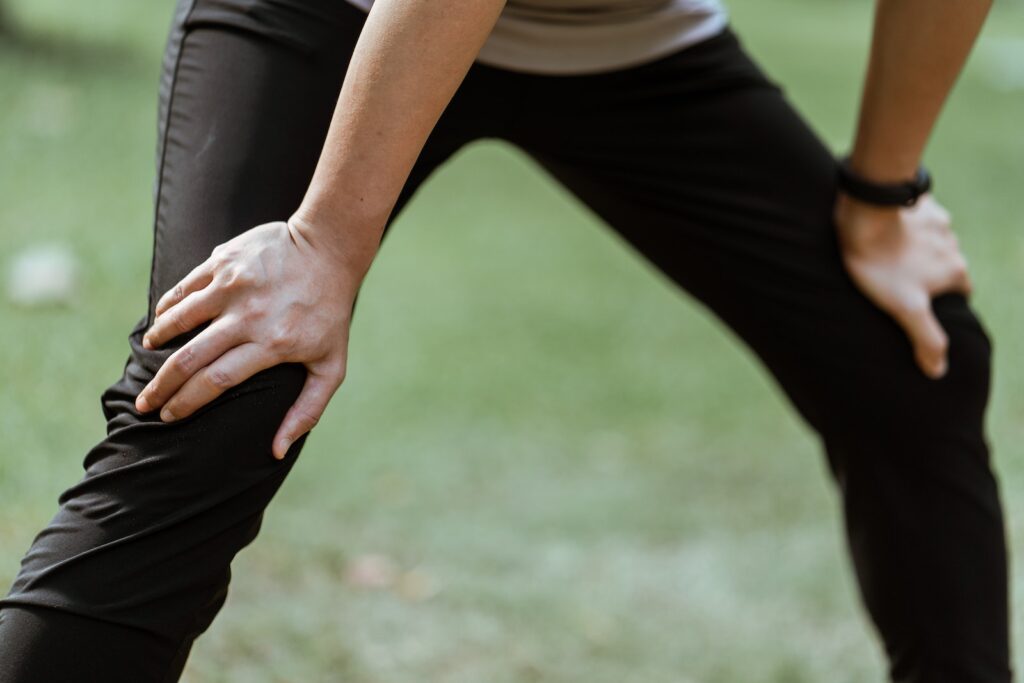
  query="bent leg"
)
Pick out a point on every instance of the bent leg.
point(700, 163)
point(136, 562)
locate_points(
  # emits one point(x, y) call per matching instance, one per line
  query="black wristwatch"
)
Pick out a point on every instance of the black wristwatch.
point(882, 194)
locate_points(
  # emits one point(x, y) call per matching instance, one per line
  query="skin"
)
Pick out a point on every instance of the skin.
point(283, 291)
point(900, 258)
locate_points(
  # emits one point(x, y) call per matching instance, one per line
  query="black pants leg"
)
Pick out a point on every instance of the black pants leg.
point(698, 161)
point(136, 562)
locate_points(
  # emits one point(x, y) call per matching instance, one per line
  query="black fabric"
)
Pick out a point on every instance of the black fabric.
point(701, 165)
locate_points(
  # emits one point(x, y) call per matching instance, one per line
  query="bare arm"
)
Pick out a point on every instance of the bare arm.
point(901, 257)
point(410, 59)
point(283, 291)
point(917, 52)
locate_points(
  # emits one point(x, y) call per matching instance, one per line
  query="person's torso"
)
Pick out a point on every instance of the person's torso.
point(590, 36)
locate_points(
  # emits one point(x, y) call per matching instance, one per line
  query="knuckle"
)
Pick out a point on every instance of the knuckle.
point(229, 278)
point(155, 391)
point(245, 278)
point(306, 420)
point(253, 309)
point(179, 323)
point(219, 261)
point(336, 372)
point(218, 379)
point(237, 278)
point(184, 360)
point(279, 341)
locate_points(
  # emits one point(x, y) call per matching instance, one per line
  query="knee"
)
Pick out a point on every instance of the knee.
point(229, 436)
point(243, 415)
point(884, 412)
point(146, 537)
point(968, 380)
point(958, 399)
point(867, 392)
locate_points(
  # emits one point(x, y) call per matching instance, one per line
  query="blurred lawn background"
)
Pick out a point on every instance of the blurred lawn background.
point(574, 472)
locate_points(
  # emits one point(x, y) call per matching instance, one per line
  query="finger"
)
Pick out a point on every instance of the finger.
point(233, 368)
point(208, 346)
point(306, 411)
point(197, 279)
point(954, 275)
point(967, 286)
point(194, 310)
point(961, 277)
point(927, 337)
point(960, 281)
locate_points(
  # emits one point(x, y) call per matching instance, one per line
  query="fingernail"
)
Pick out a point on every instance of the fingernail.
point(940, 369)
point(141, 404)
point(282, 447)
point(166, 415)
point(146, 343)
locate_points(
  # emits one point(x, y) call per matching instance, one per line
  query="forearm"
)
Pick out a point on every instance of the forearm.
point(408, 62)
point(918, 49)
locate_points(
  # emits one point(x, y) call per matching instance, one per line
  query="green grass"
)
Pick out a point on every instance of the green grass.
point(603, 486)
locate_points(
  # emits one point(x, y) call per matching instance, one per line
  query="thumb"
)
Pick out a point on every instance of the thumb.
point(305, 412)
point(927, 337)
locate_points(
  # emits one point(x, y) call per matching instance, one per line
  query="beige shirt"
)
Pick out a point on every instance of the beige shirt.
point(591, 36)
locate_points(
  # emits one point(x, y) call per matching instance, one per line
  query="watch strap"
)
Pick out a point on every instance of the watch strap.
point(904, 193)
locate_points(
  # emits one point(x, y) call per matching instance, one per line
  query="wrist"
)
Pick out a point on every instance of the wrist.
point(860, 223)
point(342, 243)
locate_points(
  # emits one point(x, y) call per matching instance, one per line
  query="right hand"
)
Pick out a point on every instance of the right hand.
point(272, 298)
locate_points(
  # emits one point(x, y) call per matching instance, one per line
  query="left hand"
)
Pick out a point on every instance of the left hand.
point(900, 258)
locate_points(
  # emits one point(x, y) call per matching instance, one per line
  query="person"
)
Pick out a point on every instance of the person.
point(291, 132)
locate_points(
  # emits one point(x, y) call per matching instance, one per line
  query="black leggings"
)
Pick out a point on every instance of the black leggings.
point(698, 162)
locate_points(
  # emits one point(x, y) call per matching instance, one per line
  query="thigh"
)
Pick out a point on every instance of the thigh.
point(699, 161)
point(143, 542)
point(145, 537)
point(245, 100)
point(701, 164)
